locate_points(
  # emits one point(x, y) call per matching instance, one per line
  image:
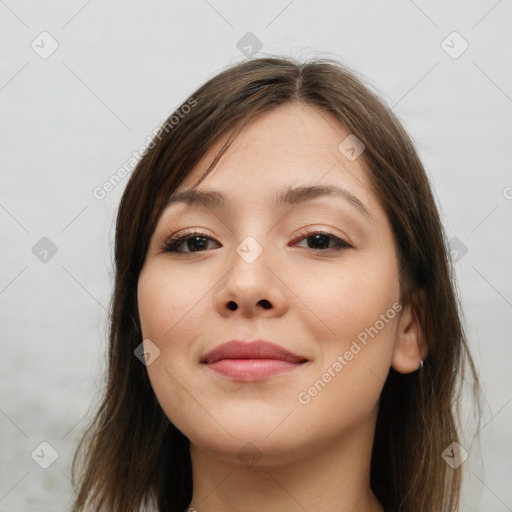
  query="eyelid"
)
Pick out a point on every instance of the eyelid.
point(311, 230)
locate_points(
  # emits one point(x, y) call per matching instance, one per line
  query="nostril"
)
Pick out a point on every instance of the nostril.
point(265, 303)
point(232, 305)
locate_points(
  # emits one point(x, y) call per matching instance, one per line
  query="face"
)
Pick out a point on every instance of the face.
point(317, 275)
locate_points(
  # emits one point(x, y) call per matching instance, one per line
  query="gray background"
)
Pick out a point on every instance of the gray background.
point(70, 120)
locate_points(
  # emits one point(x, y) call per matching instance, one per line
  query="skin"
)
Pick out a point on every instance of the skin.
point(313, 456)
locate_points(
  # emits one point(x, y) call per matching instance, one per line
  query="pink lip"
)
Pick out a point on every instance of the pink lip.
point(254, 360)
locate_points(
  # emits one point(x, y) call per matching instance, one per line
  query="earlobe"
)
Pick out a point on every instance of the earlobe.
point(410, 344)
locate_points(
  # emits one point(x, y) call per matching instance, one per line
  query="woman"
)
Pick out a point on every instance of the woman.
point(285, 333)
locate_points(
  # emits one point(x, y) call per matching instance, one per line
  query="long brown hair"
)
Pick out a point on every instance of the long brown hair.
point(131, 456)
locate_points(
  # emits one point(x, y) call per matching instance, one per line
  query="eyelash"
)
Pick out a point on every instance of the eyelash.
point(174, 242)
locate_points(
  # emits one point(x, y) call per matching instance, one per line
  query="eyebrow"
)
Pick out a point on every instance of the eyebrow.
point(213, 199)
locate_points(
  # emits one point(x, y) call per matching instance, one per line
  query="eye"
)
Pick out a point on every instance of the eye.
point(321, 240)
point(197, 242)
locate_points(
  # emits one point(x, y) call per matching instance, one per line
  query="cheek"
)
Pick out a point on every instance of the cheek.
point(345, 386)
point(358, 311)
point(166, 301)
point(359, 305)
point(165, 306)
point(342, 303)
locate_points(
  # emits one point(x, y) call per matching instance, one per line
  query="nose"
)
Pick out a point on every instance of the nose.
point(251, 287)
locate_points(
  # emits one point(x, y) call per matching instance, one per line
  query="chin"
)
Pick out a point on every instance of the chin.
point(250, 451)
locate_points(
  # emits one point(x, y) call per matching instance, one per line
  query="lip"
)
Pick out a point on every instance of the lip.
point(254, 360)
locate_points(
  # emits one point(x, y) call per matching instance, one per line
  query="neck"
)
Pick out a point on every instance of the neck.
point(332, 478)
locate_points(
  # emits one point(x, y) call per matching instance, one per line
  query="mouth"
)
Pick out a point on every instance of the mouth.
point(249, 361)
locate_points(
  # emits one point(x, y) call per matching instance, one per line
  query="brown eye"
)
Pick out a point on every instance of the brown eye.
point(194, 242)
point(320, 240)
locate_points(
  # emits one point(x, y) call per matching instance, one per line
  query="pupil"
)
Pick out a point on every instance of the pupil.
point(191, 241)
point(318, 237)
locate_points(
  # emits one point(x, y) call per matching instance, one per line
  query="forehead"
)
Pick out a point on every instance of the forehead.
point(292, 144)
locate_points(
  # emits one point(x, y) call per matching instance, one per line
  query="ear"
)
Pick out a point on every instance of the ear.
point(410, 344)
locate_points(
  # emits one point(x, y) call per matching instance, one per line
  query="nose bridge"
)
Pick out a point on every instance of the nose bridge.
point(250, 249)
point(250, 283)
point(249, 267)
point(251, 229)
